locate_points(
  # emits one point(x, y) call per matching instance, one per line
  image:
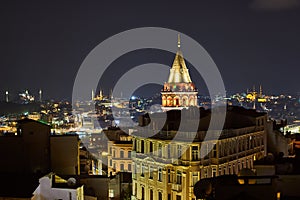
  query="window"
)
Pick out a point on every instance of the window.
point(151, 194)
point(110, 163)
point(159, 196)
point(129, 167)
point(159, 174)
point(195, 177)
point(143, 170)
point(178, 177)
point(142, 146)
point(169, 151)
point(114, 153)
point(214, 172)
point(122, 167)
point(206, 151)
point(111, 193)
point(159, 150)
point(135, 189)
point(134, 146)
point(215, 151)
point(129, 154)
point(195, 152)
point(169, 175)
point(205, 173)
point(178, 197)
point(121, 154)
point(179, 151)
point(134, 169)
point(150, 172)
point(143, 193)
point(151, 147)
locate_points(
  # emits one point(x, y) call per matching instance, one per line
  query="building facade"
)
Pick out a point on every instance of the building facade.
point(168, 169)
point(119, 154)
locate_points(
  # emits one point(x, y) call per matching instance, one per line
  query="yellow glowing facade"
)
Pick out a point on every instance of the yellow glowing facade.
point(159, 175)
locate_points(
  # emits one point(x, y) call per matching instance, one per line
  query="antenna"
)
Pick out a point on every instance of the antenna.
point(178, 39)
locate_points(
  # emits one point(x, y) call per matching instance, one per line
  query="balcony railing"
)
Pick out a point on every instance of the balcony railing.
point(176, 187)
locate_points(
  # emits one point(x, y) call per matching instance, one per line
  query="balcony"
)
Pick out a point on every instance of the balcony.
point(176, 187)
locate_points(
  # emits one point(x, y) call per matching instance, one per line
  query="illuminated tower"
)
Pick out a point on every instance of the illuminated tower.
point(179, 91)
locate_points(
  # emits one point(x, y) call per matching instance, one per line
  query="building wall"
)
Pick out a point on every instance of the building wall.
point(161, 171)
point(28, 151)
point(276, 141)
point(46, 191)
point(36, 138)
point(119, 158)
point(97, 185)
point(65, 154)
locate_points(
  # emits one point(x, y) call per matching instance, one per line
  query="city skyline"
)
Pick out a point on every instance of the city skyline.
point(45, 44)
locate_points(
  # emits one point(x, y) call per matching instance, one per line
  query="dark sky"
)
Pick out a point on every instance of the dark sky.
point(42, 44)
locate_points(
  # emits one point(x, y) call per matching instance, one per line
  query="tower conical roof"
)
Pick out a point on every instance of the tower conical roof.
point(179, 73)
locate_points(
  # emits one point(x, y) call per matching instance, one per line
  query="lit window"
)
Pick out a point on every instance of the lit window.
point(159, 174)
point(195, 152)
point(178, 177)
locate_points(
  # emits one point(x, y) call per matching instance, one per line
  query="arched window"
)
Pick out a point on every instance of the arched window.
point(192, 102)
point(176, 101)
point(164, 101)
point(169, 101)
point(185, 101)
point(151, 194)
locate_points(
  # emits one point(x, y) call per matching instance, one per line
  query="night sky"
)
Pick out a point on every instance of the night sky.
point(42, 45)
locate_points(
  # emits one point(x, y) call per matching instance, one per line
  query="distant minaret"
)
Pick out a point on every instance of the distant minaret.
point(260, 91)
point(40, 95)
point(93, 95)
point(101, 94)
point(6, 96)
point(253, 88)
point(111, 94)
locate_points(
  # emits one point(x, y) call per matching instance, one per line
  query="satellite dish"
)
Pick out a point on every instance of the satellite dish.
point(71, 182)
